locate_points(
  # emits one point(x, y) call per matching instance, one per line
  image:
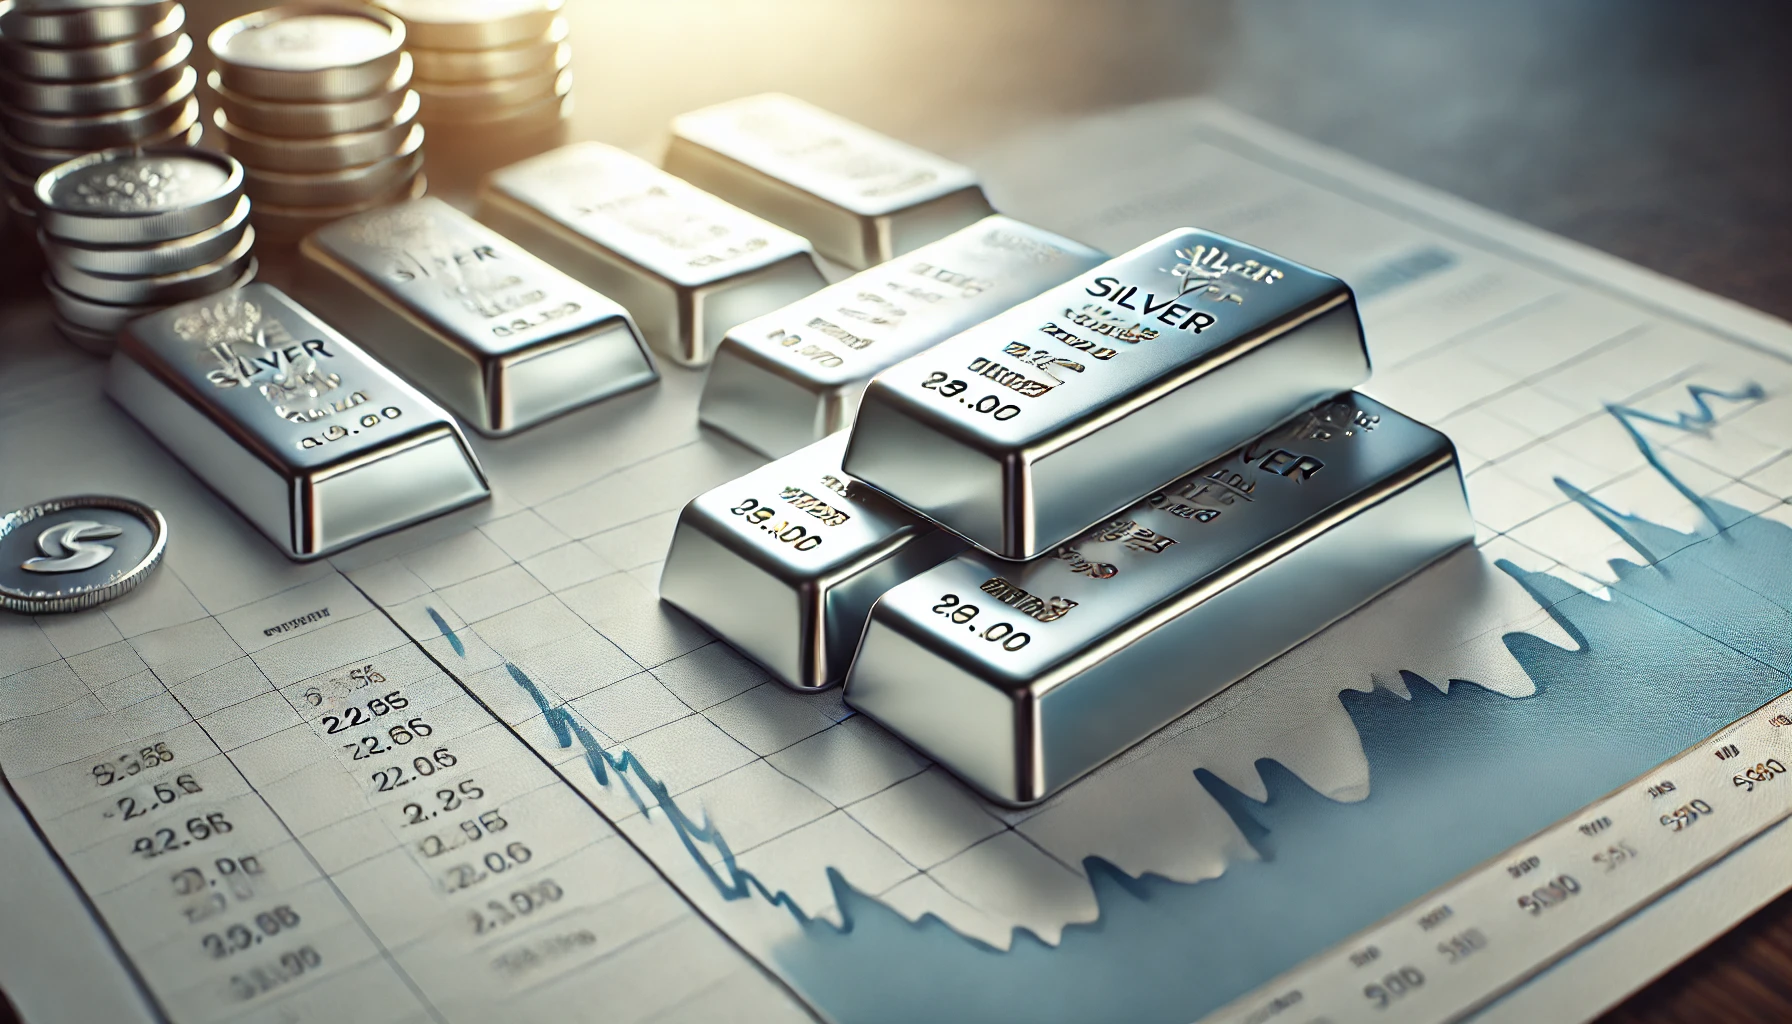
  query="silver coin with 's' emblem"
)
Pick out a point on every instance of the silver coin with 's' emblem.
point(73, 553)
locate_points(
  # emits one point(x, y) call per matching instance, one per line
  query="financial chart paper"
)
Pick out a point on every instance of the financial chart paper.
point(476, 769)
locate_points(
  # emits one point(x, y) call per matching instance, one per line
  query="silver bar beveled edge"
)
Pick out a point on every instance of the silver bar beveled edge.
point(1032, 426)
point(791, 377)
point(550, 344)
point(807, 184)
point(797, 612)
point(282, 417)
point(1149, 615)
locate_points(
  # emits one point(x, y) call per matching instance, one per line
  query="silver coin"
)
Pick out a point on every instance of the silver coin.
point(164, 289)
point(133, 197)
point(338, 188)
point(325, 153)
point(35, 160)
point(155, 259)
point(98, 96)
point(53, 6)
point(474, 24)
point(484, 65)
point(287, 224)
point(310, 120)
point(308, 52)
point(73, 553)
point(86, 26)
point(108, 317)
point(476, 100)
point(99, 343)
point(547, 112)
point(100, 131)
point(108, 60)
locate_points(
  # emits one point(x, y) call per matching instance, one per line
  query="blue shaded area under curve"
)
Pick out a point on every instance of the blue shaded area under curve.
point(1689, 642)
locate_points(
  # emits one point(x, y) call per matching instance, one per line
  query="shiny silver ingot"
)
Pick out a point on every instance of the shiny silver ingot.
point(1030, 427)
point(785, 562)
point(861, 197)
point(501, 338)
point(308, 52)
point(687, 265)
point(1021, 678)
point(315, 443)
point(794, 376)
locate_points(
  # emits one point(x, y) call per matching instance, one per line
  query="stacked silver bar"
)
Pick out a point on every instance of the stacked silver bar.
point(126, 232)
point(485, 65)
point(85, 75)
point(315, 100)
point(316, 444)
point(790, 378)
point(1021, 677)
point(1115, 589)
point(502, 338)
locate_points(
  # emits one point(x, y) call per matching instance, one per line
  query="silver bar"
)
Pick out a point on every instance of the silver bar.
point(860, 196)
point(1026, 429)
point(687, 265)
point(795, 376)
point(317, 445)
point(785, 562)
point(501, 338)
point(1021, 678)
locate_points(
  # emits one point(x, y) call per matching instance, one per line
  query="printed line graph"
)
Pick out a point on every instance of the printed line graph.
point(1458, 772)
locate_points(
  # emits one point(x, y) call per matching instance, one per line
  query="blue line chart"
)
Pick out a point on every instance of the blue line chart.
point(1693, 637)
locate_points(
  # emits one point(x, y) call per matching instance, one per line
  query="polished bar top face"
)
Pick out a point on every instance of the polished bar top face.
point(850, 330)
point(1031, 426)
point(1180, 546)
point(660, 223)
point(1174, 306)
point(474, 287)
point(280, 381)
point(840, 162)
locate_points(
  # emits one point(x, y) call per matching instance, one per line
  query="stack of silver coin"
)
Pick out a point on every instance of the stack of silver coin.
point(126, 232)
point(495, 77)
point(315, 99)
point(84, 75)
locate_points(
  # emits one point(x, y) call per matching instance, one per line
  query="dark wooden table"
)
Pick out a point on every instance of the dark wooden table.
point(1661, 133)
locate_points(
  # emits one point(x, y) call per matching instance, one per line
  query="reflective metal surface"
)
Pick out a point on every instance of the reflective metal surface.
point(185, 131)
point(1020, 678)
point(103, 320)
point(687, 265)
point(314, 118)
point(315, 443)
point(158, 289)
point(155, 258)
point(84, 27)
point(308, 52)
point(106, 60)
point(497, 96)
point(73, 553)
point(100, 95)
point(289, 224)
point(339, 187)
point(509, 60)
point(785, 562)
point(861, 197)
point(324, 153)
point(125, 197)
point(501, 338)
point(790, 378)
point(1026, 429)
point(474, 24)
point(108, 128)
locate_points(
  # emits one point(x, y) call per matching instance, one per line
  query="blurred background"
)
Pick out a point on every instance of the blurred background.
point(1659, 132)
